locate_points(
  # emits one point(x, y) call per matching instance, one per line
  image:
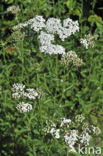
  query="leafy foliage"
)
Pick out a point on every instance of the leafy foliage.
point(68, 90)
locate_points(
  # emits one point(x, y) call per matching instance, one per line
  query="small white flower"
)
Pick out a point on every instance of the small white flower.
point(18, 90)
point(84, 42)
point(85, 138)
point(88, 41)
point(71, 137)
point(96, 130)
point(24, 107)
point(19, 26)
point(37, 23)
point(16, 95)
point(65, 122)
point(48, 48)
point(52, 131)
point(55, 132)
point(79, 118)
point(73, 26)
point(53, 25)
point(18, 87)
point(46, 39)
point(31, 94)
point(64, 33)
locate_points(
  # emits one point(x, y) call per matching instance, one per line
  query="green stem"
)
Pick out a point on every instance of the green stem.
point(22, 57)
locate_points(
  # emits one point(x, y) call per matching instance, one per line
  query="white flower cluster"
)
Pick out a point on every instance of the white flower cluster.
point(79, 118)
point(88, 41)
point(51, 128)
point(13, 9)
point(31, 93)
point(24, 107)
point(84, 42)
point(72, 132)
point(96, 130)
point(46, 45)
point(20, 91)
point(70, 139)
point(55, 133)
point(85, 138)
point(46, 39)
point(64, 122)
point(52, 26)
point(36, 23)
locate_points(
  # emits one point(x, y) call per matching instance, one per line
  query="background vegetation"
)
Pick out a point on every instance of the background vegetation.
point(68, 90)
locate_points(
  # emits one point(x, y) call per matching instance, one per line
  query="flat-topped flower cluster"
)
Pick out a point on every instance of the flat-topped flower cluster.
point(48, 29)
point(19, 91)
point(71, 57)
point(72, 132)
point(13, 9)
point(88, 41)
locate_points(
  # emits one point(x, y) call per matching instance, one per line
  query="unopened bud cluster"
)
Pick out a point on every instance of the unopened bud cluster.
point(13, 9)
point(71, 57)
point(17, 36)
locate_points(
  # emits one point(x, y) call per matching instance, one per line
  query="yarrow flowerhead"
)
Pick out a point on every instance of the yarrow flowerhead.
point(85, 138)
point(96, 130)
point(46, 44)
point(79, 118)
point(18, 87)
point(65, 122)
point(24, 107)
point(51, 27)
point(45, 38)
point(71, 137)
point(71, 132)
point(13, 9)
point(17, 35)
point(88, 41)
point(36, 23)
point(20, 91)
point(71, 57)
point(31, 94)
